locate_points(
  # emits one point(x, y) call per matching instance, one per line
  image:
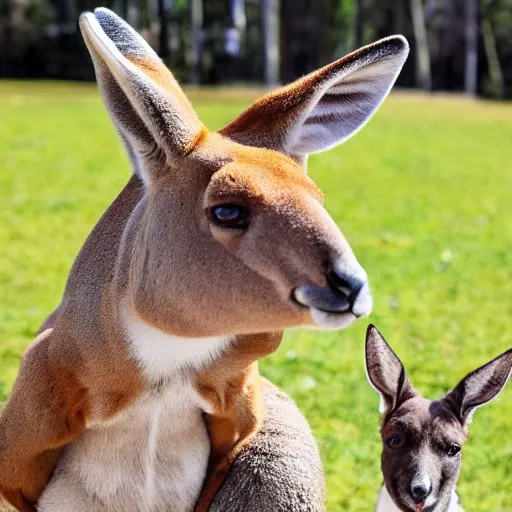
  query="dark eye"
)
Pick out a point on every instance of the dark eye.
point(452, 450)
point(229, 216)
point(394, 441)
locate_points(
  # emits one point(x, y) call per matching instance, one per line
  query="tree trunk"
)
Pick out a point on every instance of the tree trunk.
point(196, 22)
point(423, 70)
point(358, 23)
point(471, 37)
point(124, 9)
point(163, 36)
point(270, 20)
point(493, 61)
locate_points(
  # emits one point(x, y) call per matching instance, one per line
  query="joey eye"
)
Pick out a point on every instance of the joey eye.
point(395, 441)
point(229, 216)
point(452, 450)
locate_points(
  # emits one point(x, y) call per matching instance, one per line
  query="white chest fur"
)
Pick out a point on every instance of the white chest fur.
point(153, 456)
point(160, 355)
point(386, 504)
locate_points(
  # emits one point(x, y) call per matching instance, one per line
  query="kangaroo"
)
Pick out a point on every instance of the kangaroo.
point(142, 390)
point(422, 439)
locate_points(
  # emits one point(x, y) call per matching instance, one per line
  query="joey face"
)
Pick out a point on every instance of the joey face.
point(422, 440)
point(421, 456)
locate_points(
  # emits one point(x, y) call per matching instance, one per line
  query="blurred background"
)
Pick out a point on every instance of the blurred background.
point(457, 45)
point(422, 193)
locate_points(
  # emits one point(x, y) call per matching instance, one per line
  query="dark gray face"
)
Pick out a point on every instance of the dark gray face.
point(421, 457)
point(422, 439)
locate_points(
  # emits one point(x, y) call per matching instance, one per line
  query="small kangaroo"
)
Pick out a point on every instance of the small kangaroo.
point(142, 391)
point(422, 439)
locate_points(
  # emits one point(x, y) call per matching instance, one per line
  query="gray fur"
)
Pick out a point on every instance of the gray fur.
point(281, 470)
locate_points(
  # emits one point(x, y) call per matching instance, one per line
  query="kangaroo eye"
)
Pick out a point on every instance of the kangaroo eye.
point(452, 450)
point(395, 441)
point(229, 216)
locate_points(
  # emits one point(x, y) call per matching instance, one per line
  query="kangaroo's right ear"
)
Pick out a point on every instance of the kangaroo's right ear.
point(479, 387)
point(385, 372)
point(324, 108)
point(150, 111)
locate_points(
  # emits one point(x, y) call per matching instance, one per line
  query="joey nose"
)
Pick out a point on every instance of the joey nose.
point(420, 491)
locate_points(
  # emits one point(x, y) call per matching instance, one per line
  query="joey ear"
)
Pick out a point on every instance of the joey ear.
point(146, 104)
point(326, 107)
point(385, 372)
point(479, 387)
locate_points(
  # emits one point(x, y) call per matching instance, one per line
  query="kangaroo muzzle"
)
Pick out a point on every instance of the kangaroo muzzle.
point(345, 297)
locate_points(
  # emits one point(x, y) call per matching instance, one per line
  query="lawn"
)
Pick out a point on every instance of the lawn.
point(424, 195)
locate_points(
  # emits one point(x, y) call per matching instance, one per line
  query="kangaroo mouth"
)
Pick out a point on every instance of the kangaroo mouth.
point(321, 298)
point(328, 310)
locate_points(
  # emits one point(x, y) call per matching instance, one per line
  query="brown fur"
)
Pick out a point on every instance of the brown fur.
point(235, 387)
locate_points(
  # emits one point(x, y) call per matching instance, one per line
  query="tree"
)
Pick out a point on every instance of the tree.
point(496, 85)
point(163, 36)
point(270, 20)
point(358, 23)
point(423, 72)
point(196, 27)
point(471, 41)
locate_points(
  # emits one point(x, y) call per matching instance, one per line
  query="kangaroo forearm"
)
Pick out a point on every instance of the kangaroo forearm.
point(46, 411)
point(30, 447)
point(23, 481)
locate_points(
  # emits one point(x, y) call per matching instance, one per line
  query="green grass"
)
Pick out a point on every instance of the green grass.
point(423, 194)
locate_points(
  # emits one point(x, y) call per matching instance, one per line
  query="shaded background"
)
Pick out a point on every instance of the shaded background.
point(457, 45)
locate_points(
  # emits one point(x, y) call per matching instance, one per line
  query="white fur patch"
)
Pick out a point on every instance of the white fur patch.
point(386, 504)
point(161, 355)
point(364, 302)
point(326, 320)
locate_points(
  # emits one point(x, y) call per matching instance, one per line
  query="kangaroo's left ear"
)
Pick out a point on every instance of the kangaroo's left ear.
point(479, 387)
point(145, 102)
point(325, 107)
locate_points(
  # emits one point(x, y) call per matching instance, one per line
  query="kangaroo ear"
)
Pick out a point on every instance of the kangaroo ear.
point(479, 387)
point(150, 111)
point(326, 107)
point(385, 372)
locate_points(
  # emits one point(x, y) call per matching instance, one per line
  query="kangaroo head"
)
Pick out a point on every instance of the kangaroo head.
point(422, 439)
point(231, 236)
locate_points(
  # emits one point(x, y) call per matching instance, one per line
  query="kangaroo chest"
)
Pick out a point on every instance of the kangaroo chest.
point(151, 457)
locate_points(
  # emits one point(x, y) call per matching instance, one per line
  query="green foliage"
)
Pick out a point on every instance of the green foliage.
point(423, 196)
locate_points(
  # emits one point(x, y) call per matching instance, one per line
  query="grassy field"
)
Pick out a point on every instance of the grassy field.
point(424, 195)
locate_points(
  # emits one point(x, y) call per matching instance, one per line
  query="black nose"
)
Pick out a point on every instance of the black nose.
point(343, 284)
point(420, 492)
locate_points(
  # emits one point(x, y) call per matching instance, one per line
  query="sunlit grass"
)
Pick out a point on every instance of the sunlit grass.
point(423, 194)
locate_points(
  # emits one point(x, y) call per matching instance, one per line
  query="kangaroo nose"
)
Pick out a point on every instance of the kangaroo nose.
point(420, 491)
point(343, 284)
